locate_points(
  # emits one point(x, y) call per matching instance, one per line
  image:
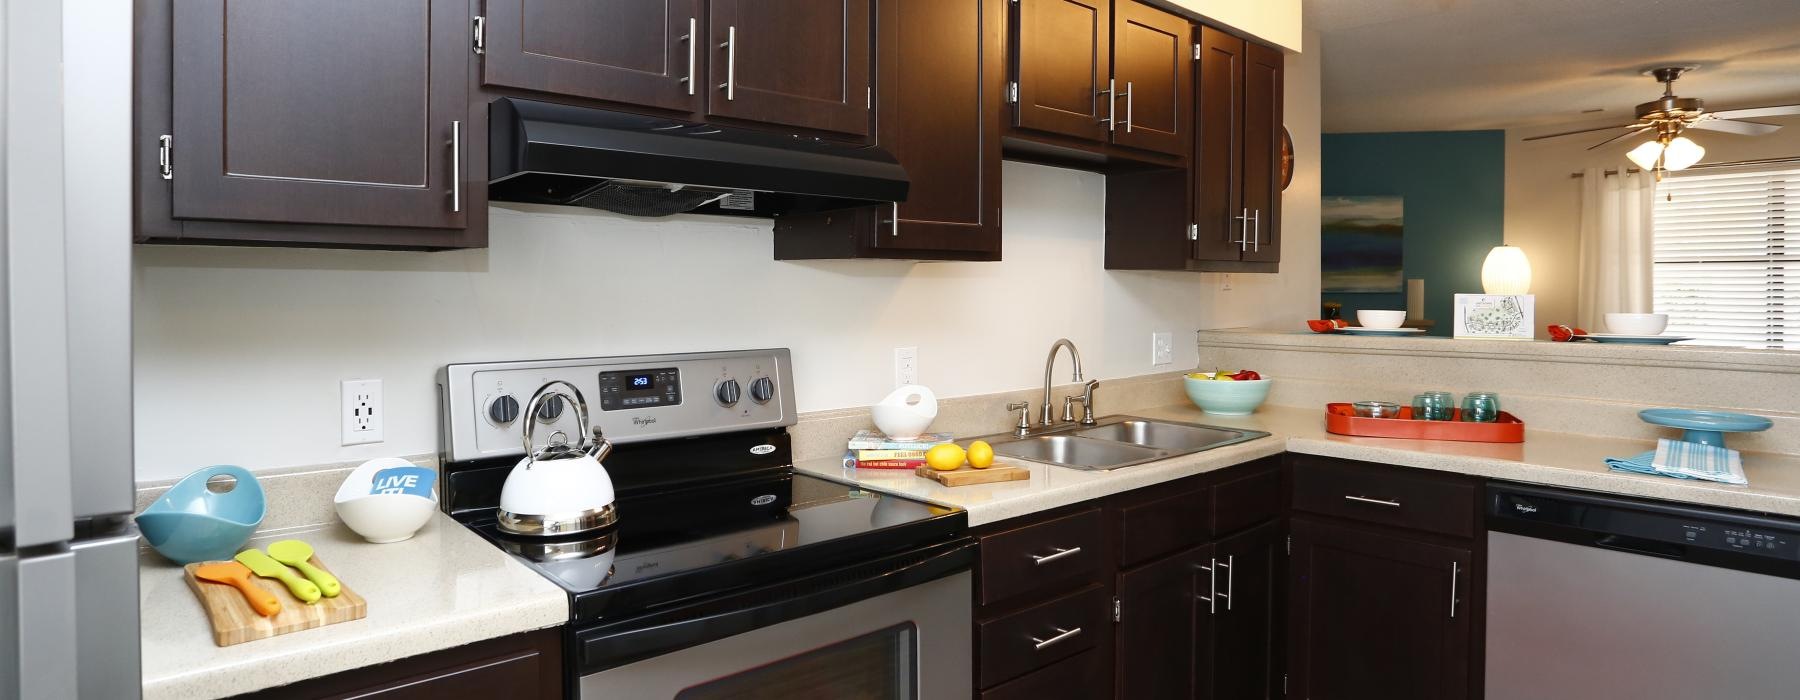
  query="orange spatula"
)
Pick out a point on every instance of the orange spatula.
point(235, 574)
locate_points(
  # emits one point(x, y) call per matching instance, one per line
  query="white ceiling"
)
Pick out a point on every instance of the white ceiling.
point(1423, 65)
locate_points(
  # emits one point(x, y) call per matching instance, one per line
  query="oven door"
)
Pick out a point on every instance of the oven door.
point(904, 636)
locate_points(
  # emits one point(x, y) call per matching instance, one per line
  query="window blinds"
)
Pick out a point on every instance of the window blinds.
point(1727, 253)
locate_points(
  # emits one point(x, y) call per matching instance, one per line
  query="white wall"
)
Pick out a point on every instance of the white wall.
point(1275, 21)
point(239, 351)
point(1543, 204)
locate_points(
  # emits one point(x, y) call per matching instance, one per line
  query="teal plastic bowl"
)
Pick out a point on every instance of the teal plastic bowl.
point(1227, 398)
point(190, 523)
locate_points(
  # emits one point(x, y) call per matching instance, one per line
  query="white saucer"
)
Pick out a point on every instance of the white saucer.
point(1633, 339)
point(1359, 330)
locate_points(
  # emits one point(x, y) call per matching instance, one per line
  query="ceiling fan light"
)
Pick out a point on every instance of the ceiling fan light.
point(1646, 154)
point(1681, 153)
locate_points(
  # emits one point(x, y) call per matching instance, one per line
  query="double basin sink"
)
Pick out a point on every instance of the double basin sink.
point(1117, 441)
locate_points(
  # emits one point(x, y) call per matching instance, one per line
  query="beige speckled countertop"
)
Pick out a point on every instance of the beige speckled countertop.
point(443, 588)
point(1551, 459)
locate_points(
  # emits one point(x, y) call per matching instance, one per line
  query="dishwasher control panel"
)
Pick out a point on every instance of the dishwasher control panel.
point(1646, 527)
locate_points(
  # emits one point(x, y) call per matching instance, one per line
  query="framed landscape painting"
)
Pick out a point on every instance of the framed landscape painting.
point(1361, 244)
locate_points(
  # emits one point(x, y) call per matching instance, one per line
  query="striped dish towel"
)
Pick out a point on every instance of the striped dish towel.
point(1686, 460)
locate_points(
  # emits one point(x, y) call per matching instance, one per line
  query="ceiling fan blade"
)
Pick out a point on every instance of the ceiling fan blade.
point(1584, 131)
point(1625, 135)
point(1754, 112)
point(1736, 127)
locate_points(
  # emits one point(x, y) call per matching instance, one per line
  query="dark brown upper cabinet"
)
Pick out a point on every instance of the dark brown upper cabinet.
point(272, 122)
point(1104, 73)
point(939, 67)
point(1237, 174)
point(800, 63)
point(636, 52)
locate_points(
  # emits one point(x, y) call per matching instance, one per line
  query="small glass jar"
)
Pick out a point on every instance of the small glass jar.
point(1434, 405)
point(1481, 407)
point(1376, 409)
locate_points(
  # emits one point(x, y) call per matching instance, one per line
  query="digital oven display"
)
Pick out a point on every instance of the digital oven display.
point(640, 382)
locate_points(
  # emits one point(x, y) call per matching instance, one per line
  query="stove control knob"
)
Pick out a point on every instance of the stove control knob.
point(550, 410)
point(728, 392)
point(762, 389)
point(503, 410)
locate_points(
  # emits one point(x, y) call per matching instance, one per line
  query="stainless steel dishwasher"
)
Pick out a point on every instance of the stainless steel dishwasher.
point(1599, 597)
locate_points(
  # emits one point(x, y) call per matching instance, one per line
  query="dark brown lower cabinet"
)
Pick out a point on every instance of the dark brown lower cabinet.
point(527, 665)
point(1243, 651)
point(1377, 615)
point(1161, 637)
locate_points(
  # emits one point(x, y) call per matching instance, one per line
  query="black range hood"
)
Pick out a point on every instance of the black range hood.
point(650, 166)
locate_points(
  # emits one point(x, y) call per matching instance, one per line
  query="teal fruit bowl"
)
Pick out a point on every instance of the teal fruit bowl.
point(1227, 398)
point(190, 523)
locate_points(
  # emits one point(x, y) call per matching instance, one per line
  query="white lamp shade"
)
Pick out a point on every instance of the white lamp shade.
point(1645, 154)
point(1506, 271)
point(1681, 153)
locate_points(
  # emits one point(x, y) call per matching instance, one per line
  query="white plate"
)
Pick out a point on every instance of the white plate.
point(1633, 339)
point(1359, 330)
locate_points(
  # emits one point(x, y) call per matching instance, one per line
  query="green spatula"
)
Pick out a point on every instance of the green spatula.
point(269, 568)
point(296, 553)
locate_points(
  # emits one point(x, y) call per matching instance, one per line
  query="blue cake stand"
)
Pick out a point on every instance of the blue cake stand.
point(1705, 427)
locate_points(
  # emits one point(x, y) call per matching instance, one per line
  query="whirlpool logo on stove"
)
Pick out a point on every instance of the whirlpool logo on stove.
point(762, 449)
point(642, 420)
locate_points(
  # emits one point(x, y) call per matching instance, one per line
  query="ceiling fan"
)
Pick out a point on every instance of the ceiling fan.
point(1668, 116)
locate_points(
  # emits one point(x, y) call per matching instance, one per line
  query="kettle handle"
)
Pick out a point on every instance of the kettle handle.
point(573, 395)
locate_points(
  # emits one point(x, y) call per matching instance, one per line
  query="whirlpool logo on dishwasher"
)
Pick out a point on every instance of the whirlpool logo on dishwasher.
point(1525, 508)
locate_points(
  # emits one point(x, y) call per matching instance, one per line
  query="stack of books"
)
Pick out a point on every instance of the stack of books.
point(872, 450)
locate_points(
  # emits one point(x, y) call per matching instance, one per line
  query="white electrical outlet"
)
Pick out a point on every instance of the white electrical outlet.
point(906, 366)
point(362, 411)
point(1162, 348)
point(1225, 282)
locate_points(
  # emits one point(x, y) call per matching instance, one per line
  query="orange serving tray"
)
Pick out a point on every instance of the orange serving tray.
point(1341, 419)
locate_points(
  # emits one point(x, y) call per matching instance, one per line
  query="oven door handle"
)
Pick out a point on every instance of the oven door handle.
point(613, 645)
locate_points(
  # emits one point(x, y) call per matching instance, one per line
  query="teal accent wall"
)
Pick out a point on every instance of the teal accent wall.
point(1454, 184)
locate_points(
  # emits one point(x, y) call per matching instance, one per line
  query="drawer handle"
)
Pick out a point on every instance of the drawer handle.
point(1043, 559)
point(1061, 634)
point(1374, 501)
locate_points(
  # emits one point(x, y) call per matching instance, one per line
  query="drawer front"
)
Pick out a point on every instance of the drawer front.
point(1150, 527)
point(1243, 500)
point(1042, 634)
point(1385, 495)
point(1081, 676)
point(1041, 556)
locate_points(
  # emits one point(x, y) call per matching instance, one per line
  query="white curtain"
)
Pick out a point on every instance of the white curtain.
point(1615, 246)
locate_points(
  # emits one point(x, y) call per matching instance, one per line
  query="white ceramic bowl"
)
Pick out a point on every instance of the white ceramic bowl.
point(382, 517)
point(900, 422)
point(1637, 324)
point(1377, 318)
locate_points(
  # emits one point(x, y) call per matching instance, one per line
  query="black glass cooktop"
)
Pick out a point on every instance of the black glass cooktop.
point(713, 539)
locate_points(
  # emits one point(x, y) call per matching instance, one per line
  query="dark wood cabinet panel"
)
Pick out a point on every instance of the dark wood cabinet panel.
point(1154, 522)
point(1042, 634)
point(1062, 62)
point(1160, 638)
point(525, 665)
point(1243, 661)
point(286, 114)
point(1262, 152)
point(1219, 147)
point(639, 52)
point(1248, 495)
point(1375, 616)
point(1153, 76)
point(1040, 556)
point(1385, 495)
point(1085, 676)
point(800, 63)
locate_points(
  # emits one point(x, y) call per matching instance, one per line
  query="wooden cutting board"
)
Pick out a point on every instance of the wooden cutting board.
point(970, 475)
point(233, 622)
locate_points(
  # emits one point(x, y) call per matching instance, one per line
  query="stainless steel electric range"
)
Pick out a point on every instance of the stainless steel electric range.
point(727, 574)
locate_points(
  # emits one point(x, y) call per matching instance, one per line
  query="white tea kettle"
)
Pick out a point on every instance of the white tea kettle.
point(560, 489)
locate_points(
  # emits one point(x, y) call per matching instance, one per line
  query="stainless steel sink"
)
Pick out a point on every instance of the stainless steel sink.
point(1117, 441)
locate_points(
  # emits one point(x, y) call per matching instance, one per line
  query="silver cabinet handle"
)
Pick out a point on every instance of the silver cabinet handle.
point(1111, 105)
point(693, 28)
point(1128, 107)
point(1455, 568)
point(456, 166)
point(1373, 501)
point(1256, 229)
point(894, 221)
point(1243, 220)
point(1061, 634)
point(1060, 553)
point(1212, 585)
point(1230, 580)
point(730, 46)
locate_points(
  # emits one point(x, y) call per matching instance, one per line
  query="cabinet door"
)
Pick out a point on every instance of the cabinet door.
point(640, 52)
point(1243, 628)
point(1161, 633)
point(1219, 148)
point(356, 115)
point(1262, 152)
point(1062, 62)
point(802, 63)
point(940, 73)
point(1153, 74)
point(1375, 616)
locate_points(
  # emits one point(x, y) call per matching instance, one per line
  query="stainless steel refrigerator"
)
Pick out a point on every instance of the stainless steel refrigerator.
point(68, 553)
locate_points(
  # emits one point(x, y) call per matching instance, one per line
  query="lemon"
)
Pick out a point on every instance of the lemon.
point(1223, 378)
point(981, 454)
point(946, 457)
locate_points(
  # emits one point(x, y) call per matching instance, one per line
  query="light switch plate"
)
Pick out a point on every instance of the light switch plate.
point(362, 411)
point(1162, 348)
